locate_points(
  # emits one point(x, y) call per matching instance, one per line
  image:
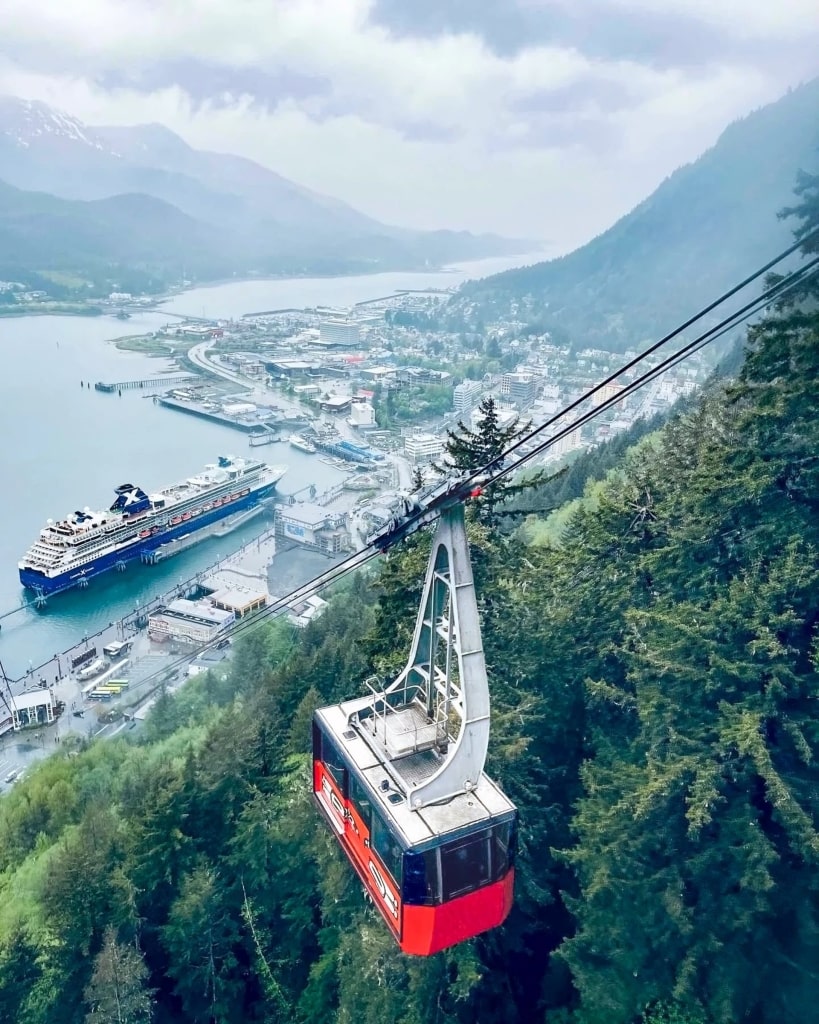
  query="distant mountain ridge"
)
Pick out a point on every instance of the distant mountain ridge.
point(248, 219)
point(705, 228)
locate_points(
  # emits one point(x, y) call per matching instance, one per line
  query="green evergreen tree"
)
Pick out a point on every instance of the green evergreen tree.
point(466, 449)
point(118, 992)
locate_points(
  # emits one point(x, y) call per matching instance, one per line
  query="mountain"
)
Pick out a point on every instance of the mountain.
point(706, 227)
point(133, 238)
point(250, 219)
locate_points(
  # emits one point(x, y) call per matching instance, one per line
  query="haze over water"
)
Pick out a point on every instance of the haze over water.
point(66, 447)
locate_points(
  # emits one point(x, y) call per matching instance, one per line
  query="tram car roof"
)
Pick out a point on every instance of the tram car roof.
point(417, 827)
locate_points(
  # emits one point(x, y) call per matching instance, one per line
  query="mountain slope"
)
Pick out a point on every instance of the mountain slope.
point(104, 238)
point(273, 225)
point(707, 226)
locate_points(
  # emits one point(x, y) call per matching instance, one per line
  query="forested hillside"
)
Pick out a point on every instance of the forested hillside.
point(711, 223)
point(655, 685)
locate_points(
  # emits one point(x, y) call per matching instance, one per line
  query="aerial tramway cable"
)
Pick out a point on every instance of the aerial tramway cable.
point(499, 467)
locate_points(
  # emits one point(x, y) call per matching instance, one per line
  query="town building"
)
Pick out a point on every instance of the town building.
point(314, 527)
point(249, 365)
point(335, 404)
point(607, 393)
point(34, 707)
point(422, 375)
point(293, 368)
point(423, 447)
point(506, 418)
point(362, 414)
point(301, 613)
point(520, 389)
point(189, 622)
point(466, 395)
point(338, 332)
point(377, 374)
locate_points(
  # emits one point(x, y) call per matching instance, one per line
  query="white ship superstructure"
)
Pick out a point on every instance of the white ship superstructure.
point(68, 552)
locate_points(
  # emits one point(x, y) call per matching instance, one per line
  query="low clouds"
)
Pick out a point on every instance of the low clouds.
point(530, 117)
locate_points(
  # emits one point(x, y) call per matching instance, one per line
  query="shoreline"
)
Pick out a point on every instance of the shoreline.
point(159, 299)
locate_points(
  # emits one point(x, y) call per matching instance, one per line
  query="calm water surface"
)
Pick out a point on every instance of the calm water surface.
point(65, 447)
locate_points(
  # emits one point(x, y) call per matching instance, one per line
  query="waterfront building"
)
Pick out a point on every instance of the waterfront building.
point(189, 622)
point(34, 707)
point(314, 527)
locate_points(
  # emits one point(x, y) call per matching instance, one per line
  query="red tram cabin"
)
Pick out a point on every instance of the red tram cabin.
point(398, 774)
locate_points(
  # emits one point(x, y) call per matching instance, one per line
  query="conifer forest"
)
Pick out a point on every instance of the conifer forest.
point(654, 670)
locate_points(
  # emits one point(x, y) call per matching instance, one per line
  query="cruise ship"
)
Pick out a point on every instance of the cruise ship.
point(85, 544)
point(303, 445)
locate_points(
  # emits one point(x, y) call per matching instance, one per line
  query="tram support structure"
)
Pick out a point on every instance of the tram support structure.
point(439, 703)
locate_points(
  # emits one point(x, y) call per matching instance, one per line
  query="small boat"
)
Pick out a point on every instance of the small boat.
point(303, 445)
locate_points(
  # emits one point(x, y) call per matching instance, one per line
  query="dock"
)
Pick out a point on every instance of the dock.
point(148, 382)
point(246, 426)
point(223, 528)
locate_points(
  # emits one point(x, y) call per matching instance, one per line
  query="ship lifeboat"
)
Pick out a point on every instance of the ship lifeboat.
point(197, 512)
point(186, 515)
point(207, 507)
point(144, 533)
point(217, 502)
point(238, 494)
point(176, 520)
point(245, 491)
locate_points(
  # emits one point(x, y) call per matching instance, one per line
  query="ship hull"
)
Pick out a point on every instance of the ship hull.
point(138, 550)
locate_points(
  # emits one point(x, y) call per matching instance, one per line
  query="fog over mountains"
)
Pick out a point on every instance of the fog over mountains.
point(193, 212)
point(709, 225)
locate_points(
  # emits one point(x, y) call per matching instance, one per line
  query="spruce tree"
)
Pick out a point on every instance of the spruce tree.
point(469, 450)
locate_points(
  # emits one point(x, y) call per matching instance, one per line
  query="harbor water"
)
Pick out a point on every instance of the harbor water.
point(66, 446)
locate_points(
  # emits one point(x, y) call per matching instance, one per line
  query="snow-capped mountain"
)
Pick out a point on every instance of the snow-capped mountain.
point(270, 222)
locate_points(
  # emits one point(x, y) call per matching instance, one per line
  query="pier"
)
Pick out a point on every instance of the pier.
point(246, 426)
point(267, 434)
point(148, 382)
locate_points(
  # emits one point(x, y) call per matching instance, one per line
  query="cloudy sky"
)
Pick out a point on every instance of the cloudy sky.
point(534, 118)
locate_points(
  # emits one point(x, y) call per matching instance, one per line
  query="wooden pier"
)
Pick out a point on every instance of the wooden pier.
point(148, 382)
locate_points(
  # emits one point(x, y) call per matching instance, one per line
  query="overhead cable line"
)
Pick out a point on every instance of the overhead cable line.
point(499, 467)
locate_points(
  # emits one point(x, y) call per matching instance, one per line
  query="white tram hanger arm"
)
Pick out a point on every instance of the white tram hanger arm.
point(443, 686)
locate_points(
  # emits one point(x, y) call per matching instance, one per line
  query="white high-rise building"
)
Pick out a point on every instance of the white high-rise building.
point(466, 395)
point(339, 331)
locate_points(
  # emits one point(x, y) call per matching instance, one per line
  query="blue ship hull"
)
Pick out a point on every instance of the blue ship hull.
point(140, 549)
